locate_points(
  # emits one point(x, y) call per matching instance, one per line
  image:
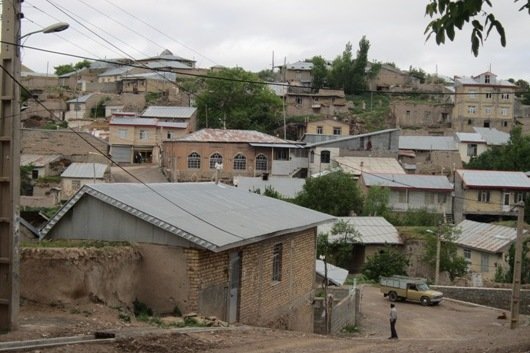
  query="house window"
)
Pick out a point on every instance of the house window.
point(471, 109)
point(194, 161)
point(76, 184)
point(487, 123)
point(169, 134)
point(261, 162)
point(320, 130)
point(488, 110)
point(504, 124)
point(472, 94)
point(484, 196)
point(487, 79)
point(215, 158)
point(143, 135)
point(467, 254)
point(281, 154)
point(488, 95)
point(472, 150)
point(277, 252)
point(240, 162)
point(35, 174)
point(325, 157)
point(505, 96)
point(122, 133)
point(519, 196)
point(402, 196)
point(484, 263)
point(429, 198)
point(337, 131)
point(504, 111)
point(445, 117)
point(442, 197)
point(407, 113)
point(298, 100)
point(312, 157)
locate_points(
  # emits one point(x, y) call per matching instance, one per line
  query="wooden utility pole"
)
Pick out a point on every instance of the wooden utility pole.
point(516, 285)
point(9, 165)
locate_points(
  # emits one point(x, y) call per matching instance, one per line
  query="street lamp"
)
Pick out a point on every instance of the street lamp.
point(10, 160)
point(54, 28)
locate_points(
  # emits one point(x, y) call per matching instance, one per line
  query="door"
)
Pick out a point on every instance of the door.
point(235, 281)
point(506, 202)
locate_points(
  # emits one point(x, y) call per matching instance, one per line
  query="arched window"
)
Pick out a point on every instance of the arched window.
point(240, 162)
point(194, 160)
point(261, 162)
point(215, 158)
point(325, 157)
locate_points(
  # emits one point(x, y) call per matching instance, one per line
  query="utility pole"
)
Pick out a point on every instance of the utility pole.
point(516, 285)
point(9, 165)
point(437, 267)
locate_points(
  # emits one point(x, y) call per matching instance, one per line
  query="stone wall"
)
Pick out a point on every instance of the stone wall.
point(495, 297)
point(64, 142)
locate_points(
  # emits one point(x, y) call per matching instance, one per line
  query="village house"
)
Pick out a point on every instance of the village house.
point(485, 247)
point(79, 174)
point(357, 165)
point(412, 192)
point(81, 106)
point(483, 101)
point(389, 77)
point(327, 127)
point(326, 103)
point(43, 165)
point(429, 154)
point(217, 153)
point(470, 144)
point(172, 114)
point(487, 195)
point(206, 248)
point(373, 234)
point(298, 73)
point(148, 82)
point(434, 117)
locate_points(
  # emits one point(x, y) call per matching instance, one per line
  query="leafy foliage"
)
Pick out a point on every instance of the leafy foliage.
point(414, 217)
point(319, 72)
point(376, 201)
point(451, 14)
point(335, 193)
point(455, 265)
point(387, 262)
point(26, 183)
point(338, 251)
point(506, 276)
point(67, 68)
point(231, 99)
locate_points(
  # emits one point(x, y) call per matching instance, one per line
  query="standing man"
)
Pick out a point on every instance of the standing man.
point(393, 319)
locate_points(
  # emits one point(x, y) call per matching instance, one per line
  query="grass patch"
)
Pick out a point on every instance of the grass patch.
point(412, 232)
point(350, 329)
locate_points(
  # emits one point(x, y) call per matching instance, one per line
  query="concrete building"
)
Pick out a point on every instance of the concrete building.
point(206, 248)
point(333, 127)
point(429, 154)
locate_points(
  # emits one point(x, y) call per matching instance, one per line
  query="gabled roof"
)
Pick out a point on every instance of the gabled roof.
point(494, 179)
point(80, 99)
point(427, 143)
point(372, 230)
point(408, 181)
point(170, 112)
point(493, 136)
point(213, 216)
point(469, 137)
point(236, 136)
point(39, 160)
point(485, 237)
point(357, 165)
point(85, 171)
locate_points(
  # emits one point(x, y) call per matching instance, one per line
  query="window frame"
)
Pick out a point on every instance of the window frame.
point(240, 162)
point(262, 162)
point(277, 259)
point(337, 130)
point(194, 160)
point(215, 158)
point(325, 156)
point(484, 196)
point(320, 130)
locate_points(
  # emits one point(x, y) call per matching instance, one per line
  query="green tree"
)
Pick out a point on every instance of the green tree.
point(232, 99)
point(26, 183)
point(338, 251)
point(523, 90)
point(335, 193)
point(525, 265)
point(341, 69)
point(319, 72)
point(358, 76)
point(376, 201)
point(418, 73)
point(450, 261)
point(451, 14)
point(388, 262)
point(67, 68)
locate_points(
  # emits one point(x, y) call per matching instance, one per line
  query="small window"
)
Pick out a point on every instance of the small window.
point(194, 161)
point(407, 113)
point(504, 124)
point(240, 162)
point(487, 79)
point(442, 197)
point(298, 100)
point(505, 96)
point(277, 252)
point(402, 196)
point(504, 111)
point(488, 95)
point(484, 196)
point(320, 130)
point(467, 254)
point(281, 154)
point(261, 162)
point(215, 158)
point(143, 135)
point(325, 157)
point(471, 109)
point(519, 197)
point(337, 131)
point(122, 133)
point(487, 123)
point(472, 150)
point(35, 174)
point(488, 110)
point(76, 184)
point(472, 94)
point(429, 198)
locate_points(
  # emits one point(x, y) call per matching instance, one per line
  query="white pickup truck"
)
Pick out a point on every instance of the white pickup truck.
point(409, 288)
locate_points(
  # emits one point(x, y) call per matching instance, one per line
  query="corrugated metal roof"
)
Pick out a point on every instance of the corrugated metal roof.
point(38, 160)
point(494, 178)
point(80, 99)
point(157, 64)
point(408, 181)
point(116, 71)
point(346, 138)
point(336, 275)
point(286, 186)
point(117, 121)
point(427, 143)
point(221, 135)
point(278, 145)
point(357, 165)
point(485, 236)
point(213, 216)
point(300, 65)
point(373, 230)
point(168, 112)
point(493, 136)
point(469, 137)
point(85, 171)
point(161, 76)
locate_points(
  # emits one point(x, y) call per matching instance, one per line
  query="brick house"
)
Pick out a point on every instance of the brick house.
point(207, 248)
point(486, 195)
point(241, 153)
point(326, 103)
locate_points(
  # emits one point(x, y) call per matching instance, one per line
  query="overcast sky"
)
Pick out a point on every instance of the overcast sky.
point(245, 33)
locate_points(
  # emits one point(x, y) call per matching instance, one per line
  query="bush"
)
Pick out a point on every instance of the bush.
point(141, 310)
point(387, 262)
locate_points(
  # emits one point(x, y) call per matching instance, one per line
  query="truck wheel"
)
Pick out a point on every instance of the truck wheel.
point(425, 301)
point(392, 296)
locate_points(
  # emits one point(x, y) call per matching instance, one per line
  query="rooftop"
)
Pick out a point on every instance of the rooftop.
point(494, 179)
point(372, 230)
point(487, 237)
point(235, 136)
point(85, 171)
point(171, 112)
point(357, 165)
point(427, 143)
point(408, 181)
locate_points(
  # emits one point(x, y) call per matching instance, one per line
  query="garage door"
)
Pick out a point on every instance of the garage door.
point(121, 154)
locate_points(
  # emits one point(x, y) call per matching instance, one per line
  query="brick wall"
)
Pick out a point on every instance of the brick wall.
point(495, 297)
